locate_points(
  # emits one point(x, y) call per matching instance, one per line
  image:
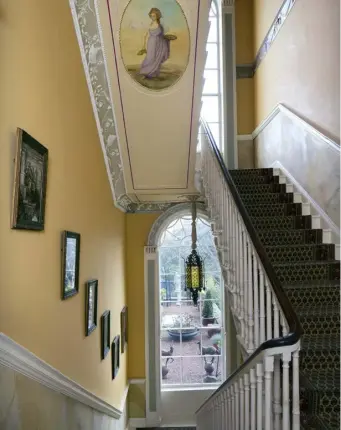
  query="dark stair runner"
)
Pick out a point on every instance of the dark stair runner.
point(310, 276)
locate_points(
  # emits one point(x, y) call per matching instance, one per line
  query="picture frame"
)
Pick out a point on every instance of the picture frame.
point(70, 263)
point(115, 356)
point(105, 334)
point(124, 328)
point(30, 180)
point(91, 300)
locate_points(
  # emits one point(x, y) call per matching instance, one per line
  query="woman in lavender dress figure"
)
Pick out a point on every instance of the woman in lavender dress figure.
point(156, 46)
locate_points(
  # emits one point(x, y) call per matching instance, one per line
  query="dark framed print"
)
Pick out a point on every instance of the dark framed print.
point(70, 263)
point(105, 334)
point(91, 296)
point(28, 209)
point(115, 356)
point(124, 328)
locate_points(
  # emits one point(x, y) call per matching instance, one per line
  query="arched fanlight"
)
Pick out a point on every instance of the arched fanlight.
point(194, 268)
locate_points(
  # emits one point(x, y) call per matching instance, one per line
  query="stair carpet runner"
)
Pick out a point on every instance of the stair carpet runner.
point(310, 276)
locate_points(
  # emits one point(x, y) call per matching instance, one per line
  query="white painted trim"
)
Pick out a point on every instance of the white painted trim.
point(242, 137)
point(135, 423)
point(138, 381)
point(290, 114)
point(234, 80)
point(331, 225)
point(21, 360)
point(124, 398)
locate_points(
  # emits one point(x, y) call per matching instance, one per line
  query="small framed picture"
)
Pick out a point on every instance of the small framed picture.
point(91, 296)
point(115, 356)
point(105, 334)
point(124, 328)
point(70, 263)
point(28, 209)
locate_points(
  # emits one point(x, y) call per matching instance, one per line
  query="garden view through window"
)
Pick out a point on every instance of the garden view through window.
point(192, 336)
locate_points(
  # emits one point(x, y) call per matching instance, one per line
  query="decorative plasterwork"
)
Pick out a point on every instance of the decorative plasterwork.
point(168, 216)
point(277, 24)
point(86, 21)
point(248, 70)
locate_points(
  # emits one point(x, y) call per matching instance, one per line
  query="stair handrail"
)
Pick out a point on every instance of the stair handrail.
point(295, 329)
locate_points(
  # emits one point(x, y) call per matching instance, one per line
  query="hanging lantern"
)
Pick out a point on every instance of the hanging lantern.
point(194, 271)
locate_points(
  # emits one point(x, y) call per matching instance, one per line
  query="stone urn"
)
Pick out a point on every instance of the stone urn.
point(209, 368)
point(165, 371)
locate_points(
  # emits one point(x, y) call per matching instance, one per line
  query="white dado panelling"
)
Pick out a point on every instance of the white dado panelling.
point(311, 158)
point(35, 395)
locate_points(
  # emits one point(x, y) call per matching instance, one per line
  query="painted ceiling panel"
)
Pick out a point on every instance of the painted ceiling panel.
point(156, 129)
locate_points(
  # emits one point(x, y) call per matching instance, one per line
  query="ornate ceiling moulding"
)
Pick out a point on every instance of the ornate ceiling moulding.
point(88, 30)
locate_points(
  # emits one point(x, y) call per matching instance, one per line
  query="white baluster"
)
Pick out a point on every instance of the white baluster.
point(268, 312)
point(284, 326)
point(285, 395)
point(260, 409)
point(250, 297)
point(241, 286)
point(255, 300)
point(245, 277)
point(295, 392)
point(233, 408)
point(277, 394)
point(253, 398)
point(261, 307)
point(236, 404)
point(247, 401)
point(268, 371)
point(237, 271)
point(241, 403)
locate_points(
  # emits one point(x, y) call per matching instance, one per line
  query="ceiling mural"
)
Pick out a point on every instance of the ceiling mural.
point(155, 42)
point(144, 60)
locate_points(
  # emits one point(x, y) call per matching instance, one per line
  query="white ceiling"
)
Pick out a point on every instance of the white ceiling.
point(157, 130)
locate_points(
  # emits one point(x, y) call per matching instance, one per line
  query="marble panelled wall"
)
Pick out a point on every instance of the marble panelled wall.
point(27, 405)
point(246, 154)
point(310, 160)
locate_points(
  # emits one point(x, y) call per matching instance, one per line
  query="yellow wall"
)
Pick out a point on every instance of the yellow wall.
point(137, 230)
point(43, 90)
point(244, 55)
point(302, 67)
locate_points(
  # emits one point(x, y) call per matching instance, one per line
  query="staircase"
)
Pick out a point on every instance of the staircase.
point(282, 283)
point(310, 276)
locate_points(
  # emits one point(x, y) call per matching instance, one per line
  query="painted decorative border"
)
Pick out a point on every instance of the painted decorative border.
point(248, 70)
point(21, 360)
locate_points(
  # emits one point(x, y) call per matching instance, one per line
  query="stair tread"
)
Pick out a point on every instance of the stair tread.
point(321, 342)
point(325, 380)
point(320, 309)
point(307, 263)
point(313, 284)
point(301, 245)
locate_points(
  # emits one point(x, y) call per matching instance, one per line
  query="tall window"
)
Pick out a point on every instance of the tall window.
point(192, 337)
point(212, 92)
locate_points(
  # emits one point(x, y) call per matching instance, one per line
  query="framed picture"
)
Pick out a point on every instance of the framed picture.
point(70, 263)
point(105, 334)
point(28, 211)
point(91, 296)
point(115, 356)
point(124, 328)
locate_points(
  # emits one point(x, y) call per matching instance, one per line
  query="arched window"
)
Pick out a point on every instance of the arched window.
point(212, 91)
point(192, 337)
